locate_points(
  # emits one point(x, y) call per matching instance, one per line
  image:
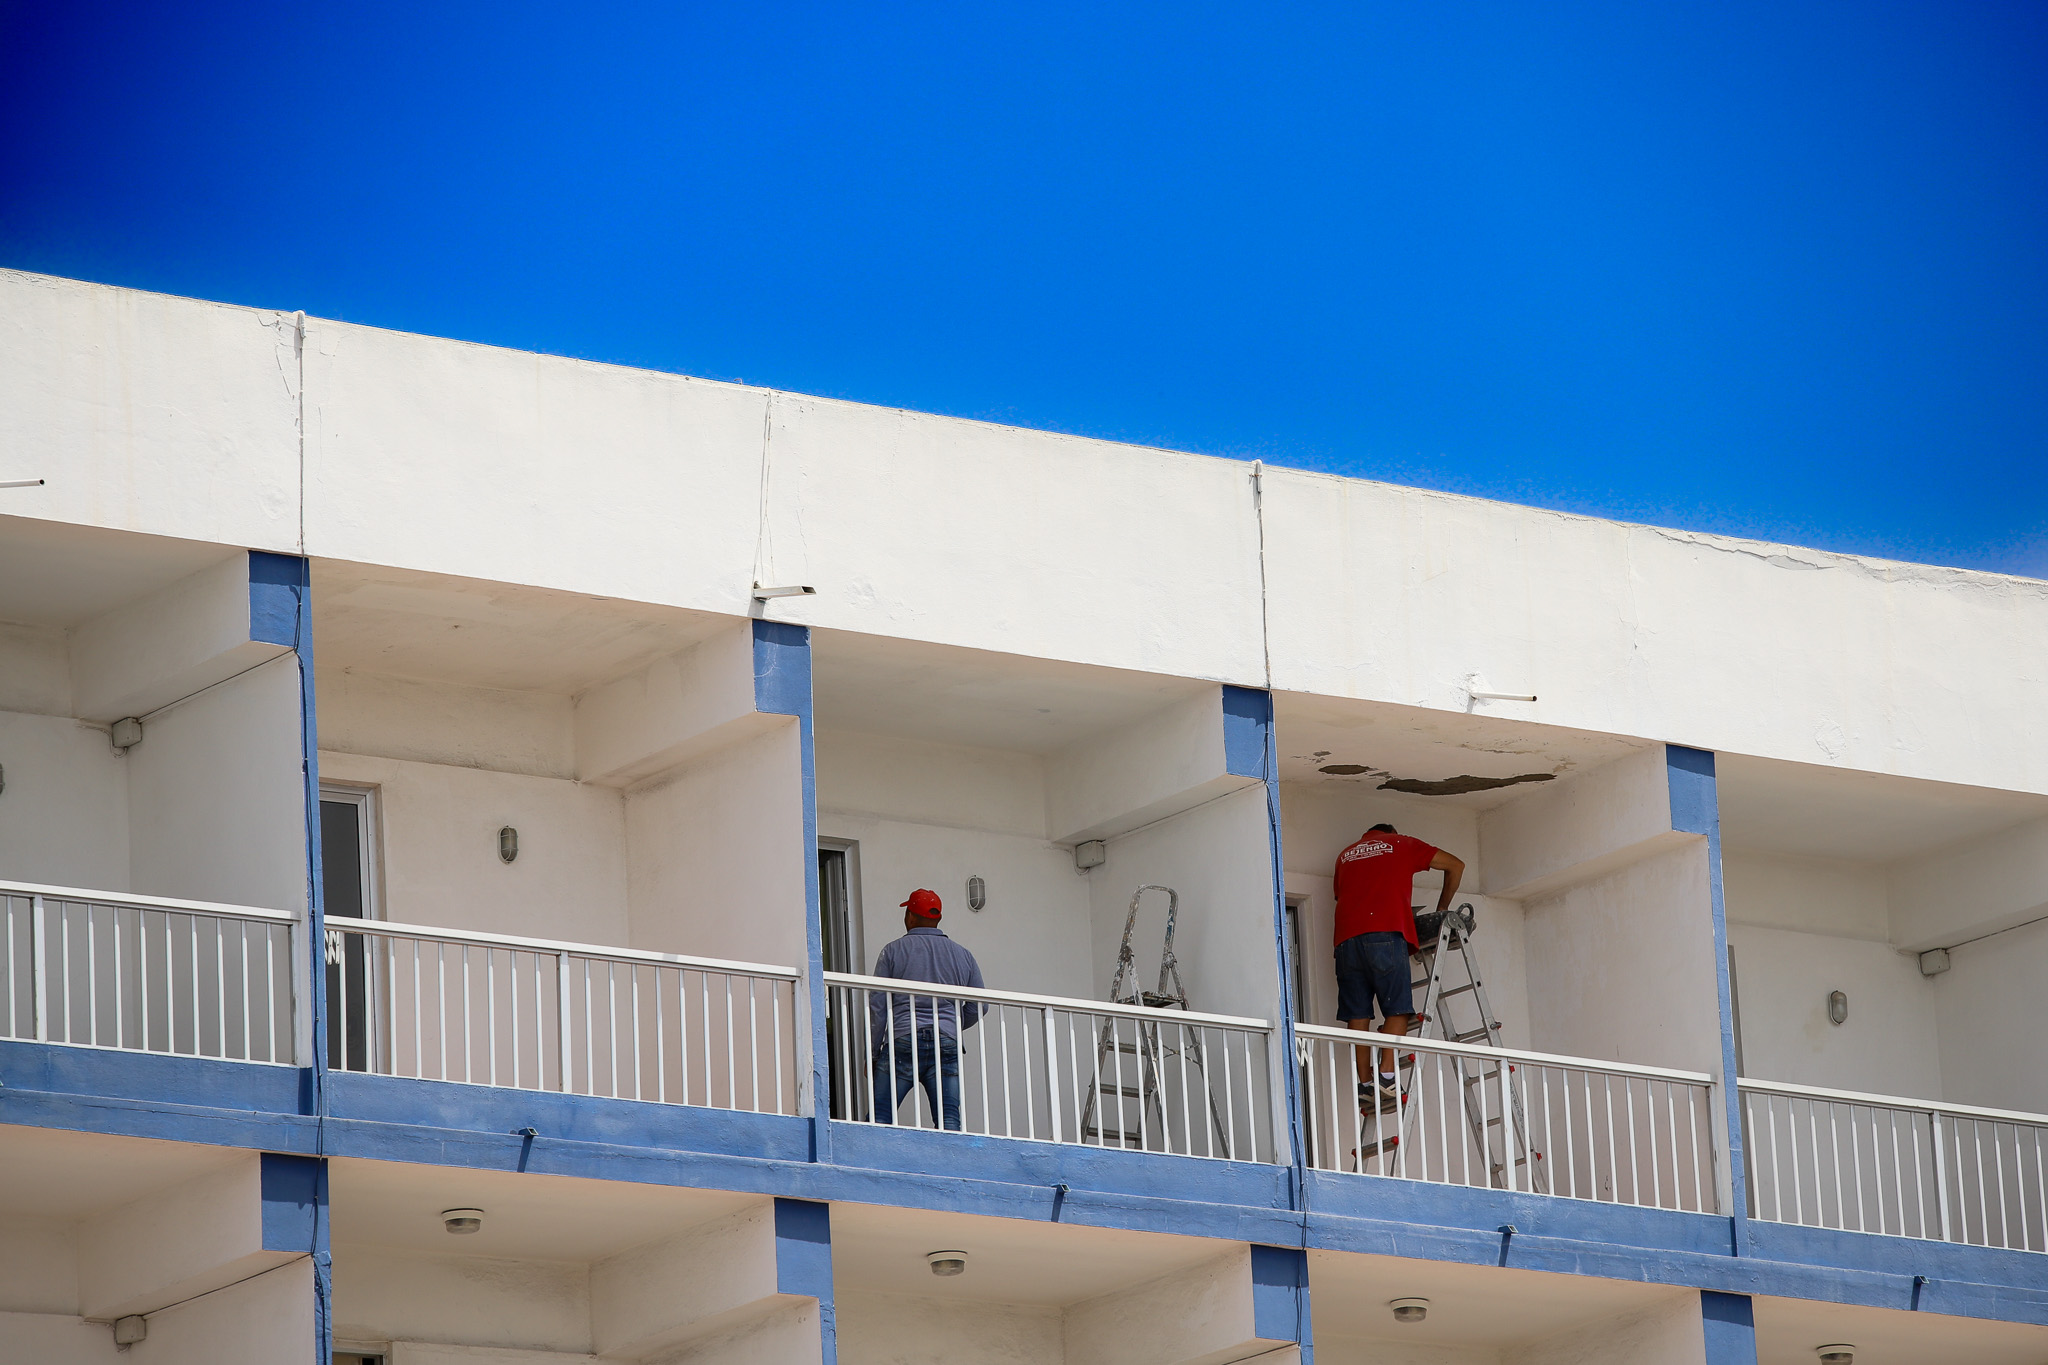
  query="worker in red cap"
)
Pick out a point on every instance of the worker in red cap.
point(917, 1038)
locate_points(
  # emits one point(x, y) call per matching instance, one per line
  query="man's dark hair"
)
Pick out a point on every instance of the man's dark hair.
point(1383, 829)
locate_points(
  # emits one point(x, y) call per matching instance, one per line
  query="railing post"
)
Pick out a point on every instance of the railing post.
point(562, 1049)
point(1940, 1174)
point(1052, 1074)
point(39, 984)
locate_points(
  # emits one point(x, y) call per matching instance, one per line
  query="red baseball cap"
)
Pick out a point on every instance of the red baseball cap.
point(923, 903)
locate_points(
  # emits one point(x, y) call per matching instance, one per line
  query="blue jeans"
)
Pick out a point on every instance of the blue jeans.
point(936, 1068)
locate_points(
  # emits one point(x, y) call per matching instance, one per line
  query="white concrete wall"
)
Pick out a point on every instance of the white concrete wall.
point(427, 1353)
point(64, 815)
point(381, 1293)
point(907, 1329)
point(260, 1321)
point(715, 854)
point(1398, 594)
point(181, 418)
point(1217, 858)
point(933, 815)
point(1887, 1046)
point(38, 1266)
point(1622, 967)
point(160, 414)
point(440, 843)
point(216, 800)
point(57, 1339)
point(1334, 1350)
point(669, 712)
point(1988, 1006)
point(35, 670)
point(1672, 1333)
point(1198, 1314)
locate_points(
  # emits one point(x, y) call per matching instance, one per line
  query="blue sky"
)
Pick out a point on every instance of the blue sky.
point(1767, 269)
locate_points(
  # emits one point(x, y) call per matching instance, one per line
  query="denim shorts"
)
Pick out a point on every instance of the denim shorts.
point(1373, 967)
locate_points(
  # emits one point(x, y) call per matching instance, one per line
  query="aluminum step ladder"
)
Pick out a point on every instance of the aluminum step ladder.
point(1109, 1087)
point(1446, 947)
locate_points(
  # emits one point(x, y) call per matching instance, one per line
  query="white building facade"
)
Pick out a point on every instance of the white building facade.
point(425, 803)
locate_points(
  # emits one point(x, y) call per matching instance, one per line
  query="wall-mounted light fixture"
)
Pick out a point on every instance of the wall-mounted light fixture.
point(1838, 1006)
point(977, 893)
point(1410, 1310)
point(762, 594)
point(126, 733)
point(462, 1222)
point(1093, 853)
point(944, 1263)
point(134, 1327)
point(508, 844)
point(1934, 962)
point(26, 483)
point(1838, 1353)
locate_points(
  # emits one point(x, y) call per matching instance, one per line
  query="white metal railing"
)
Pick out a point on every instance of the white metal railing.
point(1570, 1126)
point(1057, 1070)
point(1886, 1164)
point(147, 974)
point(533, 1014)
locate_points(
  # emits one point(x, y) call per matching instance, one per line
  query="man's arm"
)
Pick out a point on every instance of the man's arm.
point(1453, 869)
point(971, 1010)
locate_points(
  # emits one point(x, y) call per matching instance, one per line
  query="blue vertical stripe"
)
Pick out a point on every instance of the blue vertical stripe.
point(1730, 1327)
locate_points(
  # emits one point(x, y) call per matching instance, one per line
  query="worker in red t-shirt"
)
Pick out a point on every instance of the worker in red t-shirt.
point(1376, 933)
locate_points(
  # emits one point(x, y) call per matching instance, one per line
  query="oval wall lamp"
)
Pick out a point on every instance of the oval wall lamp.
point(508, 844)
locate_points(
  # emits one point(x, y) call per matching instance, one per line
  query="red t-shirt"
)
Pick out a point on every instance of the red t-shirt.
point(1375, 877)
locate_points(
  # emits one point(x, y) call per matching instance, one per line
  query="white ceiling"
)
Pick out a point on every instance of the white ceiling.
point(50, 1173)
point(1787, 1330)
point(1009, 1260)
point(481, 634)
point(886, 686)
point(54, 574)
point(1770, 806)
point(1469, 1306)
point(526, 1217)
point(1415, 742)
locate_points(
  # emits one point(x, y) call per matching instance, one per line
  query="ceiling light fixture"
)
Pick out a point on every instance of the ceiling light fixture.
point(1837, 1354)
point(944, 1263)
point(1410, 1310)
point(462, 1222)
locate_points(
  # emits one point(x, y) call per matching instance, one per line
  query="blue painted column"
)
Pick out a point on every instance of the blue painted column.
point(294, 1192)
point(1730, 1326)
point(1251, 749)
point(803, 1264)
point(281, 613)
point(1280, 1309)
point(782, 686)
point(1696, 809)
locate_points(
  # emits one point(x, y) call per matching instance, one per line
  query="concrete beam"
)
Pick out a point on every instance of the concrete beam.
point(1976, 888)
point(1171, 761)
point(1205, 1315)
point(1596, 823)
point(161, 648)
point(251, 1216)
point(677, 708)
point(739, 1280)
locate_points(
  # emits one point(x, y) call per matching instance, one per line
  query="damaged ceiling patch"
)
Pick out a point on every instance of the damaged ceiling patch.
point(1459, 786)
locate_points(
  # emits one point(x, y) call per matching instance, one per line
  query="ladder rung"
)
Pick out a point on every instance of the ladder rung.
point(1475, 1033)
point(1117, 1133)
point(1455, 990)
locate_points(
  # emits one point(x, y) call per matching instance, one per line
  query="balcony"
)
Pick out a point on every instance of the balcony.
point(147, 974)
point(1903, 1167)
point(1082, 1072)
point(1507, 1119)
point(533, 1014)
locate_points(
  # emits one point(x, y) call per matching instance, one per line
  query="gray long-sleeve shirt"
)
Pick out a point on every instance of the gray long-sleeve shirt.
point(924, 955)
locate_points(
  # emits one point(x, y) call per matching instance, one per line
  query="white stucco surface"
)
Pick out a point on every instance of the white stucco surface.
point(1622, 967)
point(1671, 1333)
point(66, 804)
point(216, 798)
point(380, 716)
point(1887, 1046)
point(908, 1329)
point(57, 1339)
point(1988, 1008)
point(381, 1294)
